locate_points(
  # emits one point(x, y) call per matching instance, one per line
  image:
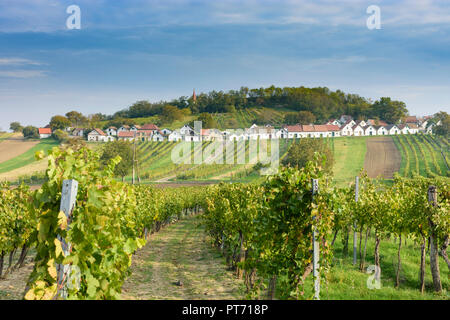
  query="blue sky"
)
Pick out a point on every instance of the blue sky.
point(162, 49)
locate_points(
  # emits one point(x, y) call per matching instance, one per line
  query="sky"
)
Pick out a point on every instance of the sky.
point(154, 50)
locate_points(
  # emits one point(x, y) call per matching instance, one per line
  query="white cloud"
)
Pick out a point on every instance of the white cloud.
point(22, 74)
point(17, 62)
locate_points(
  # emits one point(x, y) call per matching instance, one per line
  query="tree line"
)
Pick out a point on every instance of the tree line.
point(322, 102)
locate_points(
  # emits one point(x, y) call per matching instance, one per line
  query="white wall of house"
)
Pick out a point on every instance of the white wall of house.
point(394, 130)
point(122, 129)
point(358, 131)
point(175, 136)
point(347, 130)
point(382, 131)
point(370, 131)
point(111, 132)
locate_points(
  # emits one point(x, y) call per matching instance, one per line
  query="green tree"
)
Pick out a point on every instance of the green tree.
point(171, 113)
point(444, 128)
point(76, 118)
point(207, 120)
point(306, 117)
point(121, 148)
point(303, 151)
point(59, 122)
point(30, 132)
point(16, 127)
point(60, 135)
point(389, 110)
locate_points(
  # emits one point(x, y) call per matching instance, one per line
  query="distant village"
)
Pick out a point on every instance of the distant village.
point(342, 127)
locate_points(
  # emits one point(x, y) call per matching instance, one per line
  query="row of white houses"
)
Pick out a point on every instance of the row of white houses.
point(334, 128)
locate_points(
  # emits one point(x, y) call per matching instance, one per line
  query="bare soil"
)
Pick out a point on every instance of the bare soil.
point(14, 146)
point(382, 158)
point(180, 263)
point(12, 287)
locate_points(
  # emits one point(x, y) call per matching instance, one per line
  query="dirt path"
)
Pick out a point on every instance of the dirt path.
point(13, 286)
point(382, 158)
point(180, 252)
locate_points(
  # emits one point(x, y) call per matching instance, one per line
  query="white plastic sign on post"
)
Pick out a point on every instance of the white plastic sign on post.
point(316, 249)
point(68, 198)
point(355, 234)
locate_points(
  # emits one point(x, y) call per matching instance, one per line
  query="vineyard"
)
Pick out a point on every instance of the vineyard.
point(423, 155)
point(279, 236)
point(156, 161)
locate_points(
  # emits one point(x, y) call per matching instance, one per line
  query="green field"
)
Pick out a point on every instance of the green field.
point(346, 282)
point(27, 157)
point(349, 155)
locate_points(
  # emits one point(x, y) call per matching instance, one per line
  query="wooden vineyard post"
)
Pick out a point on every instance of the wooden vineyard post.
point(434, 253)
point(68, 198)
point(355, 234)
point(316, 249)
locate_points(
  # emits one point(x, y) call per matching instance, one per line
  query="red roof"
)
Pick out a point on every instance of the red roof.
point(126, 134)
point(332, 127)
point(145, 132)
point(320, 128)
point(411, 119)
point(150, 127)
point(99, 131)
point(296, 128)
point(45, 131)
point(308, 128)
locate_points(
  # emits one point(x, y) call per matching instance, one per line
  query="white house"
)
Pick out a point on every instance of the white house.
point(334, 130)
point(111, 131)
point(393, 129)
point(281, 134)
point(175, 136)
point(404, 128)
point(381, 130)
point(370, 131)
point(186, 130)
point(358, 130)
point(97, 135)
point(413, 128)
point(126, 135)
point(123, 128)
point(192, 138)
point(294, 131)
point(347, 128)
point(166, 131)
point(45, 133)
point(157, 137)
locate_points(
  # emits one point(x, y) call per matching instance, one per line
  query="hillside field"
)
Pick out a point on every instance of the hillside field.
point(425, 155)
